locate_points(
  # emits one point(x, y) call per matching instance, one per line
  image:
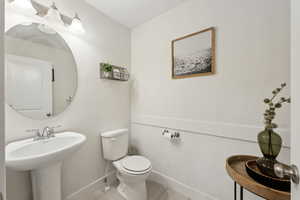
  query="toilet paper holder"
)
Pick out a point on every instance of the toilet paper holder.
point(174, 135)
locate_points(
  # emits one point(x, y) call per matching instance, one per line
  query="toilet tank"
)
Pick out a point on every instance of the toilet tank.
point(115, 144)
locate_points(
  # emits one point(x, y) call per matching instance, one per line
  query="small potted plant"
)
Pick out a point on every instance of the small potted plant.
point(269, 141)
point(107, 69)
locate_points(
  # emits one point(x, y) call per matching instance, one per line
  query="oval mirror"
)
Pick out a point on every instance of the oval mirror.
point(41, 74)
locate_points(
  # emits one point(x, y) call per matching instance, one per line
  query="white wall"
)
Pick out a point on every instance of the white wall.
point(218, 115)
point(295, 71)
point(99, 105)
point(2, 136)
point(63, 63)
point(197, 162)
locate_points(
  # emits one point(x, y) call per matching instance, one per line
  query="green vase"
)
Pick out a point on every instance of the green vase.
point(270, 145)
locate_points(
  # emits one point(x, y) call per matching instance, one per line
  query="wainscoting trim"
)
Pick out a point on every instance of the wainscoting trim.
point(241, 132)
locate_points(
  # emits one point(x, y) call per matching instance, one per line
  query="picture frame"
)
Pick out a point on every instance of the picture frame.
point(193, 55)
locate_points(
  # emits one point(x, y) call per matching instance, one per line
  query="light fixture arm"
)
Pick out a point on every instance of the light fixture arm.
point(76, 16)
point(53, 6)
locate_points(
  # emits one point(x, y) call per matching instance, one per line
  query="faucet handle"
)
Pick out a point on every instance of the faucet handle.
point(58, 126)
point(37, 133)
point(35, 130)
point(55, 127)
point(52, 130)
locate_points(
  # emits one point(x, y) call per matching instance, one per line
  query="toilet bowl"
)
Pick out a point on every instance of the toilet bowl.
point(132, 172)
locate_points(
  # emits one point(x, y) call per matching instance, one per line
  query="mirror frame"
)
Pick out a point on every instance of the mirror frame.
point(8, 26)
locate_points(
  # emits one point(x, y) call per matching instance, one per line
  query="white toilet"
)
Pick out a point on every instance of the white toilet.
point(132, 170)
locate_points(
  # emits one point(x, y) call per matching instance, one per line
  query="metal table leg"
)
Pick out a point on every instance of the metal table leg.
point(241, 193)
point(234, 190)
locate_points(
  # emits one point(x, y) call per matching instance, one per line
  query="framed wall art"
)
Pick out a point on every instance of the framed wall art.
point(194, 54)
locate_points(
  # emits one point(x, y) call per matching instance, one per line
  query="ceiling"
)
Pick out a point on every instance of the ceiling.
point(132, 13)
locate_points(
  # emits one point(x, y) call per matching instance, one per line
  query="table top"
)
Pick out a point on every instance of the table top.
point(235, 166)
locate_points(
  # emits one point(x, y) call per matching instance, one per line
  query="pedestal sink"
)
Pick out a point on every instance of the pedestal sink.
point(43, 158)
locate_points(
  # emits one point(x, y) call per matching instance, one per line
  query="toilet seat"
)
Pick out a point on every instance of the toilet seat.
point(134, 165)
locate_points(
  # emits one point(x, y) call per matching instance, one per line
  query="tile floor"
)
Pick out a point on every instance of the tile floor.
point(155, 192)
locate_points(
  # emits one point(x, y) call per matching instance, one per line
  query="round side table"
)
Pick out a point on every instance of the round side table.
point(235, 166)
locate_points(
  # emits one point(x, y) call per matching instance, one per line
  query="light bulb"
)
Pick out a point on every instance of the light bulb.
point(53, 16)
point(24, 6)
point(76, 25)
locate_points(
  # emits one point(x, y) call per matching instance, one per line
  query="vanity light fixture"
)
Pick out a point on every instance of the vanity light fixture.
point(24, 6)
point(76, 25)
point(50, 14)
point(54, 16)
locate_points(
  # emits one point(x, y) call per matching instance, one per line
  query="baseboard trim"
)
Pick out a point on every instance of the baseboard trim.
point(164, 180)
point(173, 184)
point(241, 132)
point(85, 191)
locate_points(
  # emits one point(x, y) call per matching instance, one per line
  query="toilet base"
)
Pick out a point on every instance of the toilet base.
point(133, 191)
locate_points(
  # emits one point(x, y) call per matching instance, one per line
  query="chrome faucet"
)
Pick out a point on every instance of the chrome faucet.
point(48, 132)
point(38, 135)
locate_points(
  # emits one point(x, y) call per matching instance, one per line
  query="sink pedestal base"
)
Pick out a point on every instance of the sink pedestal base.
point(46, 183)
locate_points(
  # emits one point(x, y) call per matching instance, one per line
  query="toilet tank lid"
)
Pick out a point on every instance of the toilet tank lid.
point(114, 133)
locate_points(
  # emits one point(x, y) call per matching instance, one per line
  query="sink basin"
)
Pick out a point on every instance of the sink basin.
point(29, 154)
point(44, 159)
